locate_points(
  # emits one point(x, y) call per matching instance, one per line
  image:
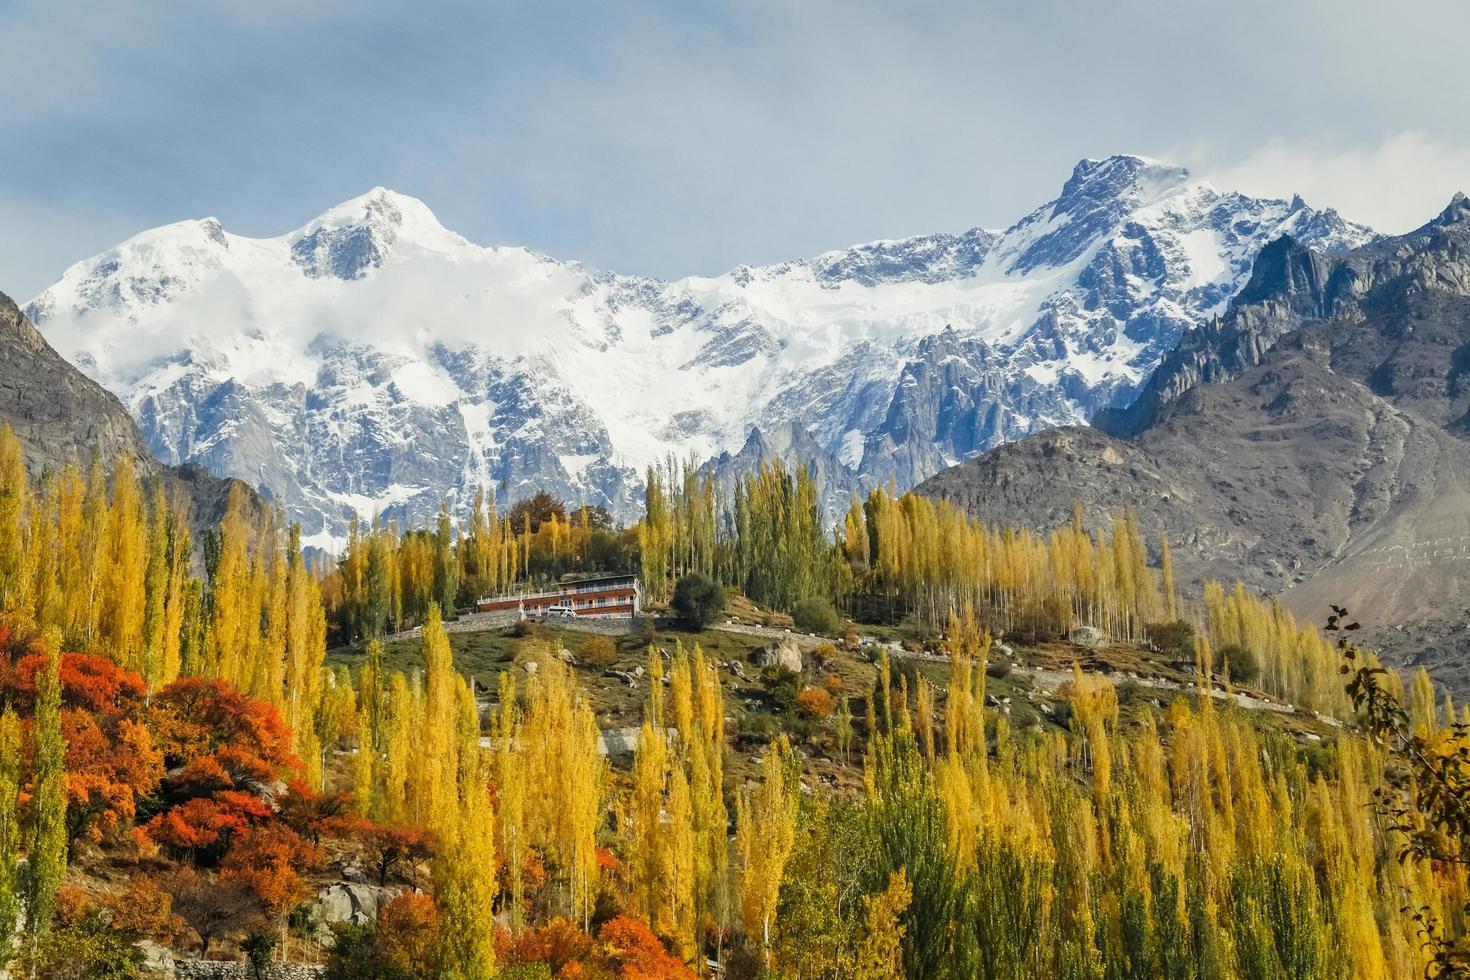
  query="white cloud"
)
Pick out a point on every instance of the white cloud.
point(673, 138)
point(1394, 186)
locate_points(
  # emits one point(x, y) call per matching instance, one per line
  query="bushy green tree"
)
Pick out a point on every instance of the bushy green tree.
point(89, 949)
point(816, 615)
point(1175, 638)
point(698, 600)
point(1243, 665)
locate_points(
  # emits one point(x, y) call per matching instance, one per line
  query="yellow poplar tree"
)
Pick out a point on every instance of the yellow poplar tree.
point(765, 831)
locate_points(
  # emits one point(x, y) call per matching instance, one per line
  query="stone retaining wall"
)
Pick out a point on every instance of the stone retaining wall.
point(483, 622)
point(232, 970)
point(590, 624)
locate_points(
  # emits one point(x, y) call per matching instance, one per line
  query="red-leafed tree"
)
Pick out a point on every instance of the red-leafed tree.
point(225, 752)
point(388, 848)
point(111, 761)
point(203, 828)
point(316, 815)
point(111, 764)
point(88, 683)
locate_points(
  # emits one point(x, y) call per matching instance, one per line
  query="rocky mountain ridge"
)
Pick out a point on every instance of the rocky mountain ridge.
point(373, 362)
point(1309, 442)
point(62, 418)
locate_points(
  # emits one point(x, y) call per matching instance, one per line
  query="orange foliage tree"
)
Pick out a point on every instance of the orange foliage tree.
point(270, 860)
point(111, 762)
point(631, 949)
point(625, 948)
point(224, 752)
point(816, 703)
point(195, 717)
point(407, 933)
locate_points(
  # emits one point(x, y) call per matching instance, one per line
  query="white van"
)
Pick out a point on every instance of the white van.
point(560, 611)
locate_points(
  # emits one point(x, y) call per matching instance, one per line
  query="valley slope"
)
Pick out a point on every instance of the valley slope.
point(1310, 442)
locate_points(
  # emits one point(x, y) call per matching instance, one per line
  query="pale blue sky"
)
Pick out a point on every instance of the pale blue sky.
point(687, 137)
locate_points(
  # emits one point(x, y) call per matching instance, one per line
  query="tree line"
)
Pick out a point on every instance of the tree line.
point(179, 719)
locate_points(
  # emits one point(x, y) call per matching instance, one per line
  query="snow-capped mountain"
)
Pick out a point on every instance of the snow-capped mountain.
point(373, 361)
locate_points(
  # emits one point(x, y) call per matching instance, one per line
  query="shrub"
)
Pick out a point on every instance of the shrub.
point(526, 629)
point(88, 948)
point(757, 727)
point(1321, 762)
point(352, 956)
point(697, 600)
point(538, 951)
point(816, 615)
point(1242, 662)
point(824, 654)
point(258, 947)
point(525, 971)
point(780, 685)
point(1176, 638)
point(815, 703)
point(598, 651)
point(145, 909)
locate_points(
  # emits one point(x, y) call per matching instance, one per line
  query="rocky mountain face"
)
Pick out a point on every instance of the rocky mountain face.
point(63, 417)
point(60, 415)
point(1310, 442)
point(374, 362)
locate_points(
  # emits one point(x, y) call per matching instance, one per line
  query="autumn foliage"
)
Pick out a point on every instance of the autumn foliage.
point(201, 751)
point(625, 948)
point(816, 703)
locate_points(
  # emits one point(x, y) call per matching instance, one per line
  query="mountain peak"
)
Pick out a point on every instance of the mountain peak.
point(1121, 174)
point(356, 235)
point(1099, 196)
point(380, 203)
point(372, 335)
point(1457, 211)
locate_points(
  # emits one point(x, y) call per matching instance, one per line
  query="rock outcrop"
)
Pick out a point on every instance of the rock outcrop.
point(62, 417)
point(350, 901)
point(784, 654)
